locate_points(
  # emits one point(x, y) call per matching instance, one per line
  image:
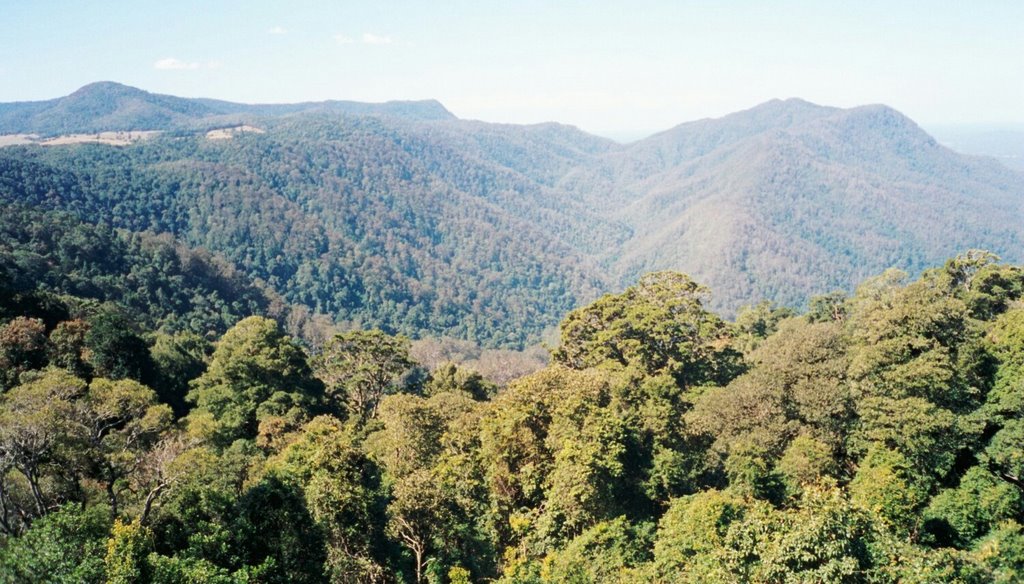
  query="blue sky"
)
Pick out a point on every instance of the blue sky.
point(616, 68)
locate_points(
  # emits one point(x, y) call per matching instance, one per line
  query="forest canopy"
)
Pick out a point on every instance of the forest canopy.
point(874, 438)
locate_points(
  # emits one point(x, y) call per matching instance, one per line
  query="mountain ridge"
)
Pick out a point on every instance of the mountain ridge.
point(417, 222)
point(112, 106)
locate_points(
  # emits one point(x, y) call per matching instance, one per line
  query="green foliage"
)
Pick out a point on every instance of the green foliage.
point(889, 486)
point(692, 530)
point(825, 539)
point(1004, 453)
point(959, 516)
point(879, 446)
point(452, 378)
point(1002, 552)
point(609, 551)
point(756, 323)
point(178, 570)
point(23, 347)
point(831, 307)
point(67, 546)
point(158, 280)
point(657, 326)
point(115, 350)
point(127, 550)
point(1007, 337)
point(343, 494)
point(273, 529)
point(178, 359)
point(67, 347)
point(361, 367)
point(806, 461)
point(256, 374)
point(36, 424)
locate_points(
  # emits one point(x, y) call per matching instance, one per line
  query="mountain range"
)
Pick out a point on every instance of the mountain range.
point(402, 216)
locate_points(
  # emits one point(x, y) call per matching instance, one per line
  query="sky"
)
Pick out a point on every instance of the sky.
point(620, 69)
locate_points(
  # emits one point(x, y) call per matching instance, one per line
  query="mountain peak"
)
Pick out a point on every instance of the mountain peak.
point(102, 87)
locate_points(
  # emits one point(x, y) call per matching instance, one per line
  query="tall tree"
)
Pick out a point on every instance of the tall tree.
point(658, 326)
point(257, 373)
point(360, 367)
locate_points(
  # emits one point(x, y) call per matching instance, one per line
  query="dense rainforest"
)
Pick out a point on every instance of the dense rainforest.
point(874, 437)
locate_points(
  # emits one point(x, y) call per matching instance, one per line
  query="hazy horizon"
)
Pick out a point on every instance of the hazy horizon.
point(609, 68)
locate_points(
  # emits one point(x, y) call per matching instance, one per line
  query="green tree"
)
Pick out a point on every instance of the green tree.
point(65, 547)
point(659, 325)
point(36, 422)
point(121, 422)
point(450, 377)
point(23, 347)
point(178, 359)
point(959, 516)
point(344, 495)
point(256, 373)
point(67, 347)
point(888, 485)
point(610, 551)
point(127, 552)
point(115, 349)
point(692, 530)
point(273, 529)
point(360, 367)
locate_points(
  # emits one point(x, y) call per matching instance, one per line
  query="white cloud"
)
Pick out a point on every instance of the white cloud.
point(172, 64)
point(373, 39)
point(343, 40)
point(278, 30)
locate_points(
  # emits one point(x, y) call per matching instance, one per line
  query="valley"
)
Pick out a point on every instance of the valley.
point(401, 216)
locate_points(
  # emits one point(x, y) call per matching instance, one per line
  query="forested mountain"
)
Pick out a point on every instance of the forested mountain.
point(109, 106)
point(351, 217)
point(789, 198)
point(401, 216)
point(874, 439)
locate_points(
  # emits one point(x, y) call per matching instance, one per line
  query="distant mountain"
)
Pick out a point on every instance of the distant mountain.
point(367, 219)
point(790, 198)
point(109, 106)
point(1004, 142)
point(402, 216)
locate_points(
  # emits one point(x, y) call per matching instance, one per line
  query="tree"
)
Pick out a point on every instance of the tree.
point(127, 552)
point(121, 422)
point(343, 492)
point(36, 419)
point(888, 486)
point(958, 516)
point(657, 326)
point(114, 347)
point(449, 377)
point(65, 547)
point(361, 367)
point(178, 359)
point(67, 347)
point(1004, 455)
point(273, 529)
point(757, 322)
point(691, 531)
point(610, 551)
point(256, 373)
point(23, 346)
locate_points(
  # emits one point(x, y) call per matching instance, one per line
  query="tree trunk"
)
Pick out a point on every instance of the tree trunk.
point(112, 499)
point(419, 564)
